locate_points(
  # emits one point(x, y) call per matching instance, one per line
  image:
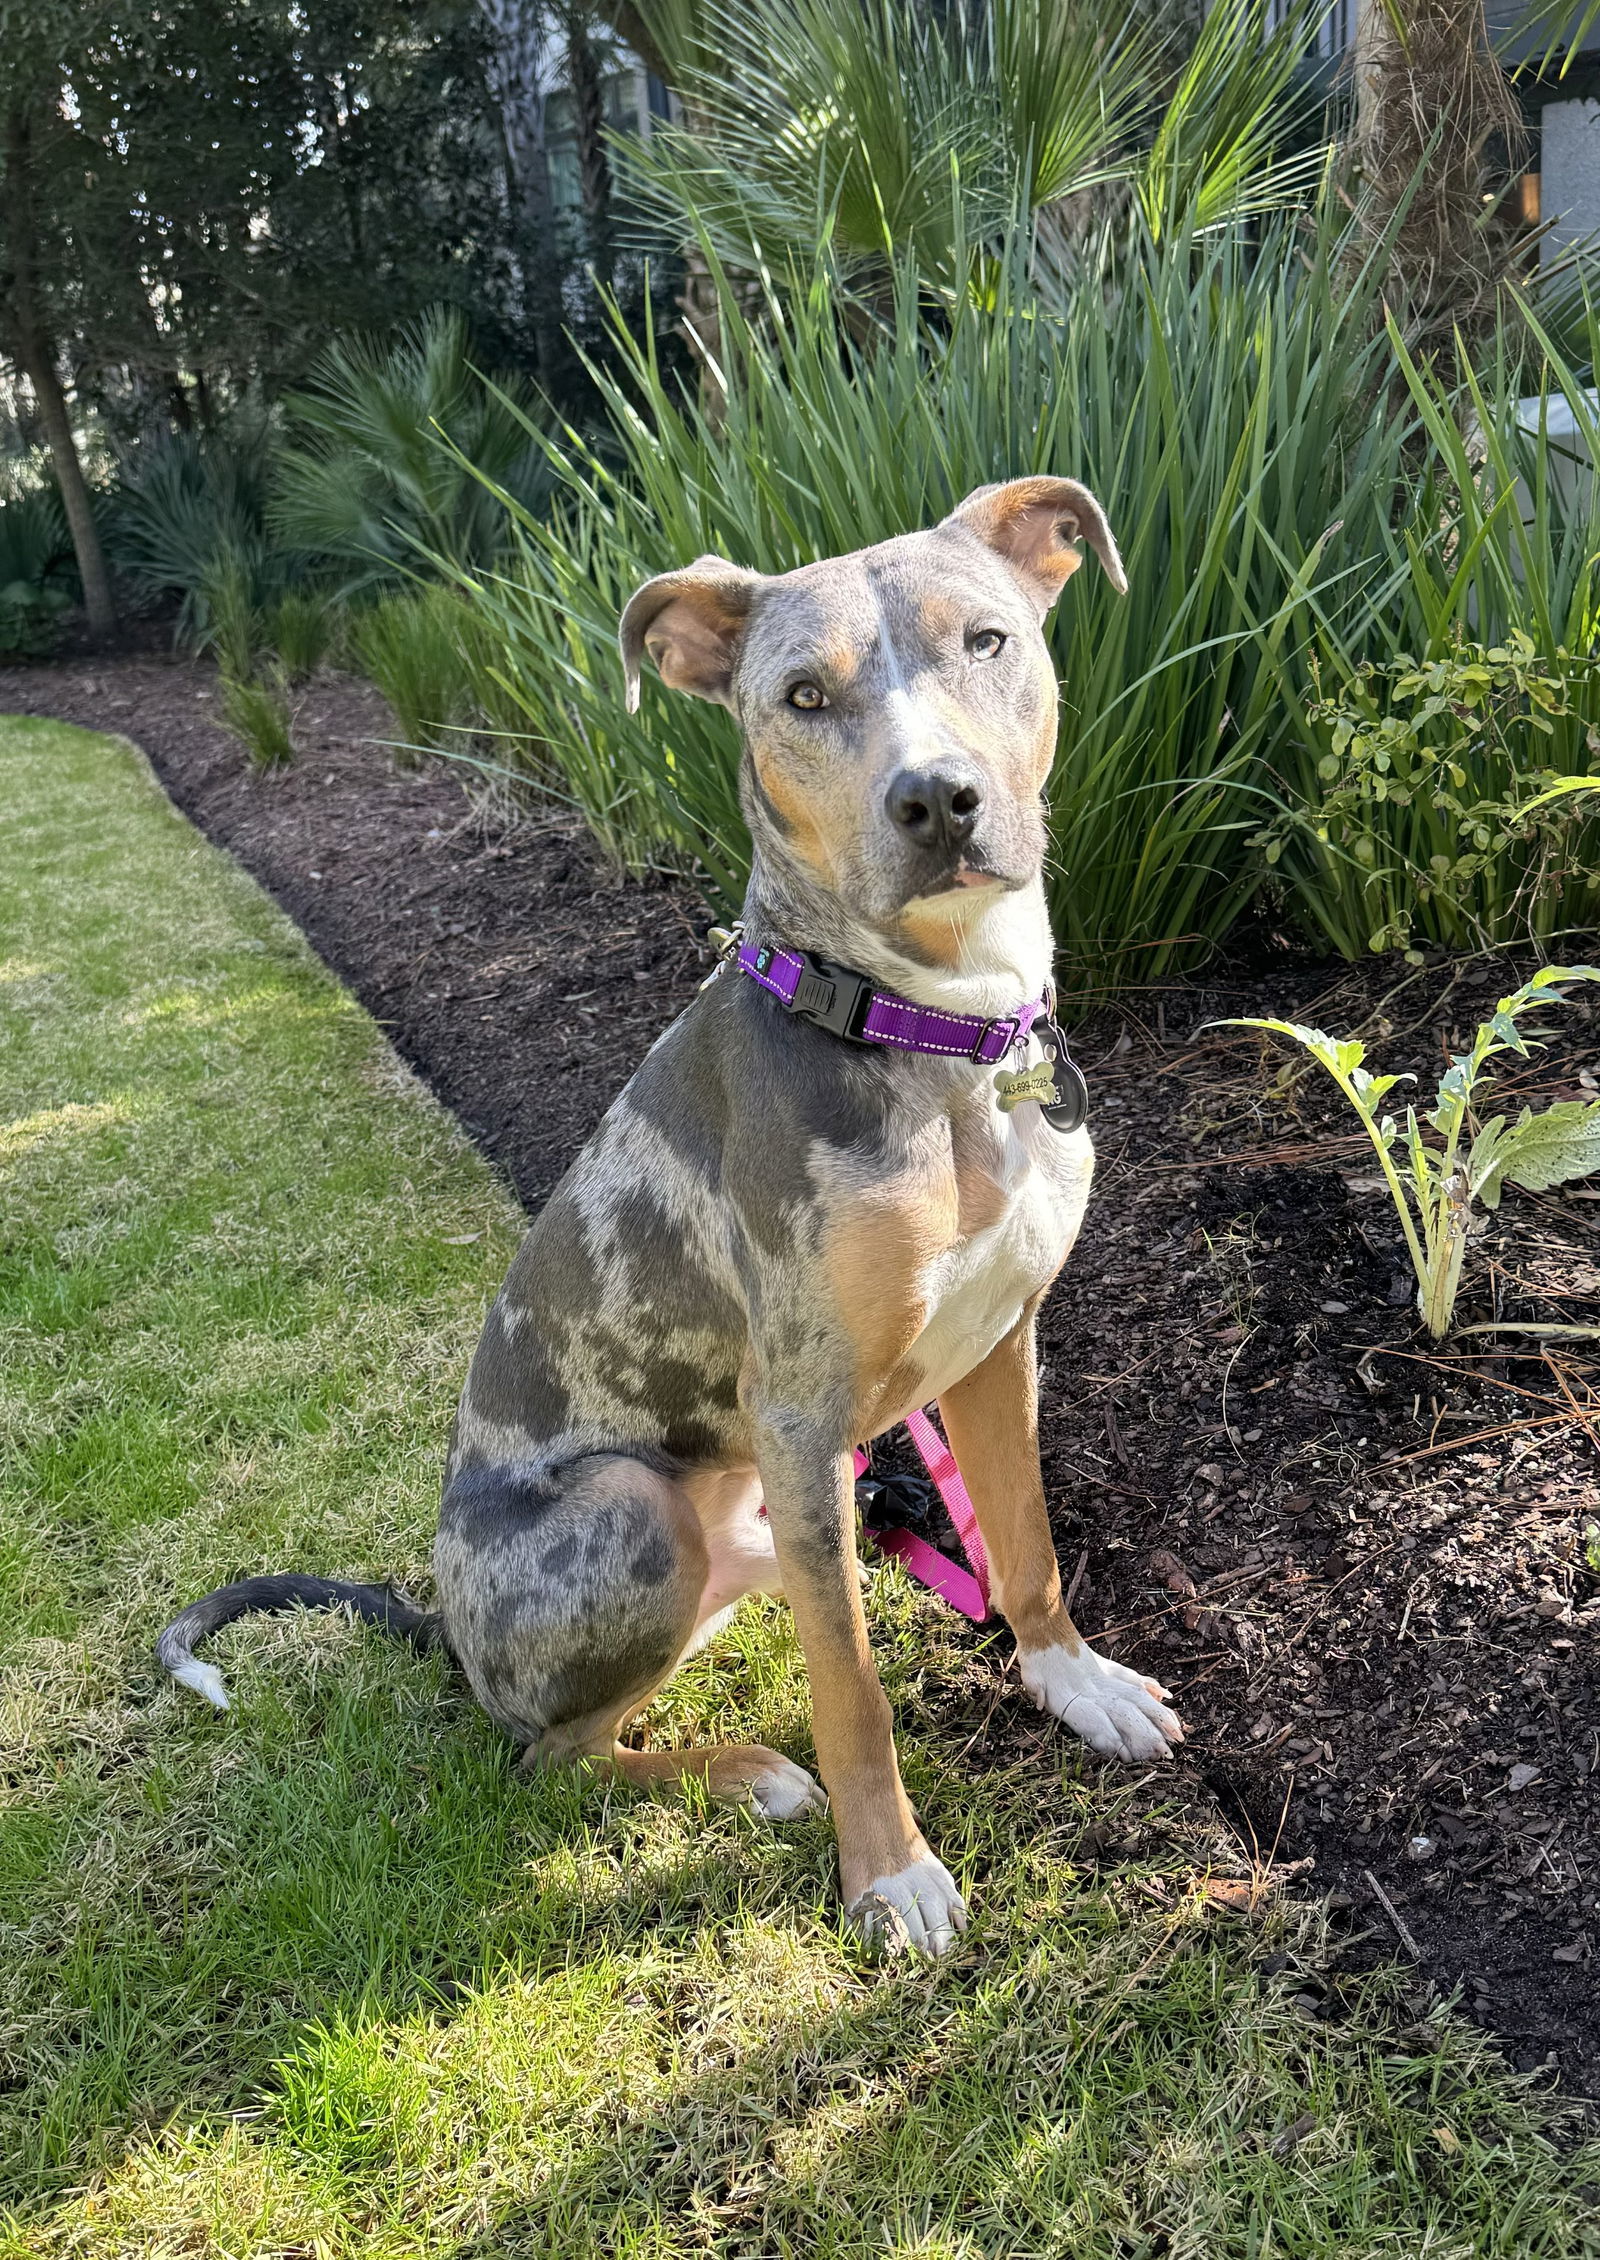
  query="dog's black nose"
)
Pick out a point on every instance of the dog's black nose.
point(935, 807)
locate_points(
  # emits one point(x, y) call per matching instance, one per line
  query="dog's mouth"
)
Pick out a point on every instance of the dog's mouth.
point(967, 875)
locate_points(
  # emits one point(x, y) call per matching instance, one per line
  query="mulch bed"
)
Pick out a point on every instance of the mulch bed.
point(1360, 1560)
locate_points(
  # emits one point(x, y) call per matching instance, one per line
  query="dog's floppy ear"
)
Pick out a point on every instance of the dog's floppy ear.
point(1036, 525)
point(690, 622)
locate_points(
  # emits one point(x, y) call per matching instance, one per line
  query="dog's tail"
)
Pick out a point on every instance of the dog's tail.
point(251, 1596)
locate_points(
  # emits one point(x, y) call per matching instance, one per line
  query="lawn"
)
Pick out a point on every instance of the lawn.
point(325, 1975)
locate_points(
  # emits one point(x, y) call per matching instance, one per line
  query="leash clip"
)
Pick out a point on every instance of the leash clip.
point(725, 940)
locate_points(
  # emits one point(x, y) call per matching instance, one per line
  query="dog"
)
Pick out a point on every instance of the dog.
point(812, 1210)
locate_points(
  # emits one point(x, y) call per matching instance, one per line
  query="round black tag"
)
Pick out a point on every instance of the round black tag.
point(1071, 1109)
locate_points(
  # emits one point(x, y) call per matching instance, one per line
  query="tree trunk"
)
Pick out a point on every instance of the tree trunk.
point(517, 82)
point(1430, 101)
point(36, 357)
point(589, 118)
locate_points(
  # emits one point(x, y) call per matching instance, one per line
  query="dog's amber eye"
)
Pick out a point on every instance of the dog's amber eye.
point(988, 643)
point(807, 697)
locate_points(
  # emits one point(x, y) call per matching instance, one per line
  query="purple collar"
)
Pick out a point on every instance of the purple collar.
point(846, 1004)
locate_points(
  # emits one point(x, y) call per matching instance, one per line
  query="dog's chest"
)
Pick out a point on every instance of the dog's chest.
point(974, 1292)
point(942, 1264)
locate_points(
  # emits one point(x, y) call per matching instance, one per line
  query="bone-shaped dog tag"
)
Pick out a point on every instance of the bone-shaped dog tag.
point(1017, 1086)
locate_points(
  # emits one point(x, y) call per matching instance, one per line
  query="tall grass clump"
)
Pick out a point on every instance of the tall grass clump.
point(302, 627)
point(427, 651)
point(256, 709)
point(1207, 382)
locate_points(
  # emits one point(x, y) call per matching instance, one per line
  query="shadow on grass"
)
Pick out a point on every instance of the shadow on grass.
point(449, 2009)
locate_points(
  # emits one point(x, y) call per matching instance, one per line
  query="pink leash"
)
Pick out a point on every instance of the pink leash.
point(966, 1590)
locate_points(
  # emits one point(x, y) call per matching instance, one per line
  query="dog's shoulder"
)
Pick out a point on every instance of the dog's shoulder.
point(750, 1090)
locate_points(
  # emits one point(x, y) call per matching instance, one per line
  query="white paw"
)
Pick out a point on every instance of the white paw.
point(1116, 1711)
point(920, 1907)
point(784, 1793)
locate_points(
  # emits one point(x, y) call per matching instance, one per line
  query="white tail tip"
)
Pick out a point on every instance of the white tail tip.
point(205, 1679)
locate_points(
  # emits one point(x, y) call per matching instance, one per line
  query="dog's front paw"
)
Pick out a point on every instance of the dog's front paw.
point(786, 1792)
point(1118, 1713)
point(919, 1907)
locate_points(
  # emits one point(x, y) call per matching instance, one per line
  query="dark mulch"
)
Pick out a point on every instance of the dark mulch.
point(1361, 1560)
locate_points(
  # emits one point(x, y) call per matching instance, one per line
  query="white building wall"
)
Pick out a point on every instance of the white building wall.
point(1569, 172)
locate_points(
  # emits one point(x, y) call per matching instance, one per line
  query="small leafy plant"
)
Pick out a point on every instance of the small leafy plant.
point(1426, 815)
point(1435, 1188)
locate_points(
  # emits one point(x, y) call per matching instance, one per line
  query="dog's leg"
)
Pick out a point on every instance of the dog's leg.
point(892, 1883)
point(569, 1599)
point(737, 1773)
point(992, 1420)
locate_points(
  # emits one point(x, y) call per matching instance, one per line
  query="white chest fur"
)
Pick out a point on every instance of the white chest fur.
point(976, 1290)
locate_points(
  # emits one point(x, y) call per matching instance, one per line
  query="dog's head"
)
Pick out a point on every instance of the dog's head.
point(898, 705)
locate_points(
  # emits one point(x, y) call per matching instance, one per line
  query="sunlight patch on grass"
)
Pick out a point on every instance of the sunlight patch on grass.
point(55, 1124)
point(326, 1974)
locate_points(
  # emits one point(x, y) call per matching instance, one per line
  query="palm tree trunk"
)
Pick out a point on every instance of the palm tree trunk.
point(1430, 100)
point(36, 357)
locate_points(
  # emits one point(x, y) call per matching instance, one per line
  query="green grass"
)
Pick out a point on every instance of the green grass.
point(323, 1976)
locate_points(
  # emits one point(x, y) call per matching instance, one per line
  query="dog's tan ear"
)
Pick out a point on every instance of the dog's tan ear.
point(1036, 525)
point(690, 622)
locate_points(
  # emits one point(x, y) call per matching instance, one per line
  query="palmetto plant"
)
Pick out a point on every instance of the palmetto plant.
point(188, 514)
point(373, 469)
point(1434, 1188)
point(903, 131)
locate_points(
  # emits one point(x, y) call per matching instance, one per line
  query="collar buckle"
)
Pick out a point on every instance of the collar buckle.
point(831, 997)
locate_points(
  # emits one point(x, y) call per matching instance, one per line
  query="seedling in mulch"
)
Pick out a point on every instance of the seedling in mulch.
point(1434, 1197)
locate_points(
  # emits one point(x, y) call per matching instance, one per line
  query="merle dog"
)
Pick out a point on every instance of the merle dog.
point(815, 1207)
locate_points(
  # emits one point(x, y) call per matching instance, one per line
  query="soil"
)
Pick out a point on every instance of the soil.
point(1368, 1565)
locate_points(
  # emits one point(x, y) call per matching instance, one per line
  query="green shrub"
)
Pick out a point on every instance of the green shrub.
point(1431, 805)
point(256, 709)
point(1439, 713)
